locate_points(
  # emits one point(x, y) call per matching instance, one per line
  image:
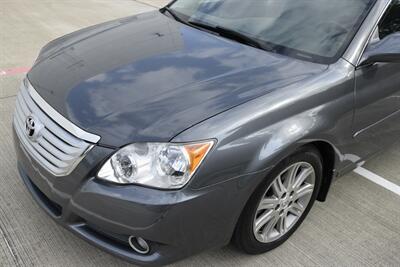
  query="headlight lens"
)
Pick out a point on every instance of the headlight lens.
point(160, 165)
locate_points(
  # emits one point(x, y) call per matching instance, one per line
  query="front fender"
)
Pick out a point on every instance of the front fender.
point(257, 135)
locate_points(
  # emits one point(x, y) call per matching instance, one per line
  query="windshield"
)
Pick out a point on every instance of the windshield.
point(314, 30)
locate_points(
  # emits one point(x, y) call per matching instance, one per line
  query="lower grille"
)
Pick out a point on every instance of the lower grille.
point(53, 207)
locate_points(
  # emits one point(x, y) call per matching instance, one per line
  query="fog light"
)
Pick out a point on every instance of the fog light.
point(139, 245)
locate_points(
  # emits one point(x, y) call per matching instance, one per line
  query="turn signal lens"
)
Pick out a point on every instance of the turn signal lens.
point(196, 153)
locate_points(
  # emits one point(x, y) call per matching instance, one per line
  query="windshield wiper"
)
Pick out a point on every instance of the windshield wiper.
point(229, 33)
point(222, 31)
point(173, 14)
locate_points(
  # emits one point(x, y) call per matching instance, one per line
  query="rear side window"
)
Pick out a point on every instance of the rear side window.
point(391, 21)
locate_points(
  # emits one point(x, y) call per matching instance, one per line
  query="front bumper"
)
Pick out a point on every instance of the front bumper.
point(176, 224)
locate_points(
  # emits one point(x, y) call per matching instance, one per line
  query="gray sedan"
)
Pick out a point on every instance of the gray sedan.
point(160, 135)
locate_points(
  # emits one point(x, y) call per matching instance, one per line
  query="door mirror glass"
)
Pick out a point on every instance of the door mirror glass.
point(386, 50)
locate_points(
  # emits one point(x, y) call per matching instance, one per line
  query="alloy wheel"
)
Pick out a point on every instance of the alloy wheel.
point(284, 202)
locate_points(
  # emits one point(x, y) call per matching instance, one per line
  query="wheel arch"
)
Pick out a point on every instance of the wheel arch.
point(328, 167)
point(329, 158)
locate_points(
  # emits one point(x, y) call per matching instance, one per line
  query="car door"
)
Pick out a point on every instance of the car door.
point(377, 93)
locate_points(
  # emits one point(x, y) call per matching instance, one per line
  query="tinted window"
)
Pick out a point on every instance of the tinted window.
point(391, 21)
point(316, 30)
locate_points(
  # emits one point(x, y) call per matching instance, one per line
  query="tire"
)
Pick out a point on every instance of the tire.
point(253, 238)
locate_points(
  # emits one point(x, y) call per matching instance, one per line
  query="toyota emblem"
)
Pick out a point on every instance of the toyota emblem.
point(33, 127)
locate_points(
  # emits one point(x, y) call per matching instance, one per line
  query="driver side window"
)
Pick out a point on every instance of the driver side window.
point(391, 20)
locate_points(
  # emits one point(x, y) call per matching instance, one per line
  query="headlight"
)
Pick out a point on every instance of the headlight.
point(161, 165)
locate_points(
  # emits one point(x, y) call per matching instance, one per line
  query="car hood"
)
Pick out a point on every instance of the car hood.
point(146, 78)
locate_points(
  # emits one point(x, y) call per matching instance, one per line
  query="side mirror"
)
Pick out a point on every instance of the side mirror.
point(386, 50)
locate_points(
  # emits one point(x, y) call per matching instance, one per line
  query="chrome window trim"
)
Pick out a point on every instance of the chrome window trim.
point(59, 119)
point(360, 42)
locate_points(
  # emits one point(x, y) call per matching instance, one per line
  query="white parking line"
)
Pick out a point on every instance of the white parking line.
point(378, 180)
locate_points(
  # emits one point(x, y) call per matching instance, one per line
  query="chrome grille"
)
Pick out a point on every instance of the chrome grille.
point(55, 148)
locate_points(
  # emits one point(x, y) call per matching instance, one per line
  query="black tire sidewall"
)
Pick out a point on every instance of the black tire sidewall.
point(244, 236)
